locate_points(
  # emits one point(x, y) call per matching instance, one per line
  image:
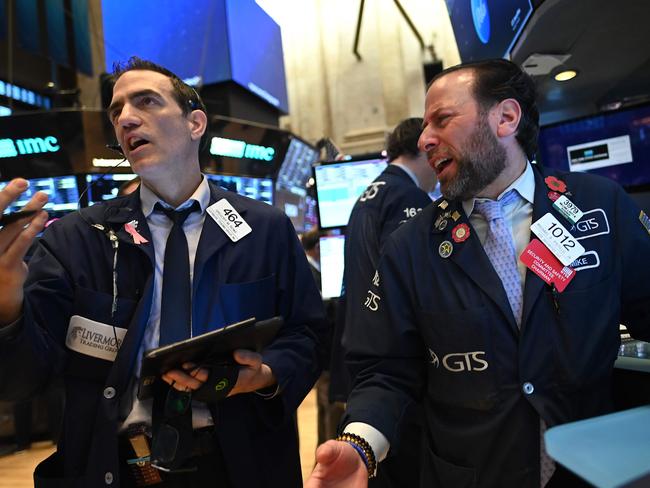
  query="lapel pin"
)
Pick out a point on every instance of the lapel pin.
point(460, 233)
point(441, 222)
point(445, 249)
point(443, 205)
point(455, 215)
point(555, 184)
point(130, 228)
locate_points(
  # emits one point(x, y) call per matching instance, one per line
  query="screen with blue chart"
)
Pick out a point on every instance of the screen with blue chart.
point(339, 185)
point(612, 144)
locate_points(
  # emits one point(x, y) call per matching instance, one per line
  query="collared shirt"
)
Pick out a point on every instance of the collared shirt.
point(160, 227)
point(518, 215)
point(408, 172)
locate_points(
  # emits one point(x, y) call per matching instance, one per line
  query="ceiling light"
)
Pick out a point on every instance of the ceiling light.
point(566, 75)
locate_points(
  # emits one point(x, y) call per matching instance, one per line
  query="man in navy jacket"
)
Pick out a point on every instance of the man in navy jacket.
point(399, 193)
point(440, 328)
point(90, 306)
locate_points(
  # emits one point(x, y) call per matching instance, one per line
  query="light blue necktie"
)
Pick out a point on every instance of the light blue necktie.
point(500, 248)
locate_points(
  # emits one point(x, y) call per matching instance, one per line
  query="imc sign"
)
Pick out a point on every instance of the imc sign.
point(233, 148)
point(43, 144)
point(10, 148)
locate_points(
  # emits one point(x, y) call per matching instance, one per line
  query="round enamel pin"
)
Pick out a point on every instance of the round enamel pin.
point(553, 195)
point(460, 233)
point(445, 249)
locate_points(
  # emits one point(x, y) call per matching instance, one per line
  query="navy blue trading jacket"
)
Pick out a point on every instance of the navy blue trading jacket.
point(440, 331)
point(390, 200)
point(262, 275)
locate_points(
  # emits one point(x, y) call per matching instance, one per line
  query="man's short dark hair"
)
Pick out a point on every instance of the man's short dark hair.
point(404, 139)
point(187, 97)
point(497, 80)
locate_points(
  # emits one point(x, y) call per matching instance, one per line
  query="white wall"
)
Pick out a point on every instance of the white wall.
point(354, 102)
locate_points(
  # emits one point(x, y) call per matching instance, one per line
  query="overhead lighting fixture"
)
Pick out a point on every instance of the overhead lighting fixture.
point(566, 75)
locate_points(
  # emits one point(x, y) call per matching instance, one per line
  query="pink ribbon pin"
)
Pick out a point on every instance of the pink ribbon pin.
point(137, 238)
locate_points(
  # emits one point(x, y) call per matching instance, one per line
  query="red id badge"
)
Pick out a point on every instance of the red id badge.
point(544, 264)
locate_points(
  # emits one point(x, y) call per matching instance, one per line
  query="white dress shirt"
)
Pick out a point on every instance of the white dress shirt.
point(160, 227)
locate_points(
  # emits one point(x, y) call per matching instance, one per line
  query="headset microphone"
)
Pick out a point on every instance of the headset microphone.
point(115, 147)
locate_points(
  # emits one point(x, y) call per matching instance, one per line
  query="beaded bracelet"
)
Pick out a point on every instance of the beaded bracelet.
point(364, 450)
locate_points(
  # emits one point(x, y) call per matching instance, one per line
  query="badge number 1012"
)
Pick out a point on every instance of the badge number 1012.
point(559, 240)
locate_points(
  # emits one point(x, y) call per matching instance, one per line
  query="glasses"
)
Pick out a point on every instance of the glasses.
point(174, 433)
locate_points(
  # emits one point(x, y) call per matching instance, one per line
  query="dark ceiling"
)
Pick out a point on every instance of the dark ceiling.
point(609, 44)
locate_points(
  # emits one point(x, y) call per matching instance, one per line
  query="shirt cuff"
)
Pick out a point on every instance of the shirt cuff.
point(12, 329)
point(376, 439)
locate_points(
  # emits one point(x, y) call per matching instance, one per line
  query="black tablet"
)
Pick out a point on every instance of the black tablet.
point(211, 347)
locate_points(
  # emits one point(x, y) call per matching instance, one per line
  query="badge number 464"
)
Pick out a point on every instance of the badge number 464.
point(229, 220)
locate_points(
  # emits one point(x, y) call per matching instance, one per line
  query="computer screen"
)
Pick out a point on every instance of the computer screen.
point(296, 166)
point(102, 187)
point(291, 182)
point(339, 185)
point(243, 148)
point(331, 265)
point(62, 192)
point(256, 188)
point(612, 144)
point(487, 29)
point(203, 42)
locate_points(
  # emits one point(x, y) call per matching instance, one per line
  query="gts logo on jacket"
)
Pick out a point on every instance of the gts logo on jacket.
point(457, 362)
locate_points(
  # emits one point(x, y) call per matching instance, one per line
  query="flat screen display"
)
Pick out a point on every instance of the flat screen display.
point(62, 192)
point(296, 166)
point(241, 148)
point(105, 187)
point(291, 182)
point(332, 263)
point(339, 185)
point(612, 144)
point(203, 42)
point(256, 188)
point(487, 29)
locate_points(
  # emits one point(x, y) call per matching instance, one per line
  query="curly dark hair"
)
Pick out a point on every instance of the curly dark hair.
point(497, 80)
point(404, 139)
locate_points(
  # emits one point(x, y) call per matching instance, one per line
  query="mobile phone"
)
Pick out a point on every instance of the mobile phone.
point(10, 218)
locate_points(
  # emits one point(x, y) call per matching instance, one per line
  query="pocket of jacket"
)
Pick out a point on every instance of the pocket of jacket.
point(436, 471)
point(240, 301)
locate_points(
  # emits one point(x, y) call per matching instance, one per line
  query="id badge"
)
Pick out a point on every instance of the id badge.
point(554, 235)
point(544, 264)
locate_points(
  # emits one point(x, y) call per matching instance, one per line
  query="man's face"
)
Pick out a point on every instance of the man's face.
point(461, 146)
point(150, 126)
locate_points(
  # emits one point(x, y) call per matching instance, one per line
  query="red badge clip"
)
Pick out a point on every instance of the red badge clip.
point(544, 264)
